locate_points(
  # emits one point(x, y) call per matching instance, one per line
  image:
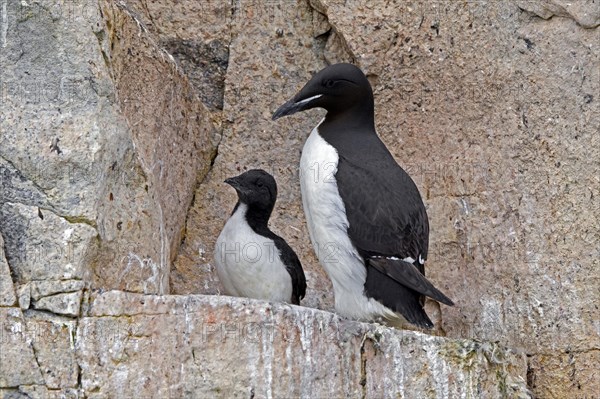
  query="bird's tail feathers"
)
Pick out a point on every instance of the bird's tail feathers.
point(408, 275)
point(397, 297)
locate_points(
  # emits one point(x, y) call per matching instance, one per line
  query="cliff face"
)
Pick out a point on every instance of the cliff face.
point(120, 120)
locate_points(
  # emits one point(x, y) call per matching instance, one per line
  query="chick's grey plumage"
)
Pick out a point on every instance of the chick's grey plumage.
point(250, 259)
point(381, 210)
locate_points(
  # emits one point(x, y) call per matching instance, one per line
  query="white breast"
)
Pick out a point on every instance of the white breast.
point(328, 227)
point(248, 264)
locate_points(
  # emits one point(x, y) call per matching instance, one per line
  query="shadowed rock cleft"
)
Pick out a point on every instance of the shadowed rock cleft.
point(205, 64)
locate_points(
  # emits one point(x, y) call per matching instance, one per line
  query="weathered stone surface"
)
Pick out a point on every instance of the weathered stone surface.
point(44, 288)
point(585, 12)
point(42, 249)
point(99, 127)
point(62, 140)
point(14, 187)
point(52, 338)
point(52, 130)
point(24, 296)
point(186, 19)
point(67, 304)
point(38, 392)
point(197, 34)
point(7, 292)
point(172, 137)
point(561, 375)
point(40, 245)
point(273, 350)
point(18, 365)
point(205, 64)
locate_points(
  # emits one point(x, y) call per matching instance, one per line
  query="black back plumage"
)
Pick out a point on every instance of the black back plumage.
point(291, 262)
point(386, 217)
point(258, 189)
point(383, 205)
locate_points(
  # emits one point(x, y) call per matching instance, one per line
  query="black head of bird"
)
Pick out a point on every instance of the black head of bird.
point(255, 188)
point(341, 89)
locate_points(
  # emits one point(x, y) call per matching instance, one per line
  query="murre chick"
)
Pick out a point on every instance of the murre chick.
point(251, 260)
point(366, 219)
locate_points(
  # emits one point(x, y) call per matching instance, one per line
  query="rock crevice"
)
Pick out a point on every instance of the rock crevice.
point(586, 12)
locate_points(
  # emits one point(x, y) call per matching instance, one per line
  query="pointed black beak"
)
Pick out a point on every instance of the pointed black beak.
point(290, 107)
point(294, 105)
point(235, 183)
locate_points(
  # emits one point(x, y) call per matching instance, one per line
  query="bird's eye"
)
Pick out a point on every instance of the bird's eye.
point(328, 83)
point(259, 184)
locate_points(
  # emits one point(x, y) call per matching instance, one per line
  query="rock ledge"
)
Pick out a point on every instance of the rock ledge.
point(197, 346)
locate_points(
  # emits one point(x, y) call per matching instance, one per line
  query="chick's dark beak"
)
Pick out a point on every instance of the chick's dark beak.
point(235, 183)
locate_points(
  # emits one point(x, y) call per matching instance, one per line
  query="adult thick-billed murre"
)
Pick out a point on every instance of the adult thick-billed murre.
point(366, 218)
point(250, 259)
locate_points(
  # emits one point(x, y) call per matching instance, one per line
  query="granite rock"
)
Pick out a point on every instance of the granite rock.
point(274, 350)
point(99, 127)
point(18, 365)
point(53, 340)
point(40, 245)
point(585, 12)
point(7, 291)
point(142, 213)
point(66, 303)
